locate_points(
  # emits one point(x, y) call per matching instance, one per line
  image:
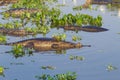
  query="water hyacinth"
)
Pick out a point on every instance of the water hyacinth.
point(20, 51)
point(78, 19)
point(66, 76)
point(1, 69)
point(59, 37)
point(3, 39)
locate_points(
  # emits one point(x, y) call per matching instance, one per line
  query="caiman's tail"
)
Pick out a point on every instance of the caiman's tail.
point(78, 45)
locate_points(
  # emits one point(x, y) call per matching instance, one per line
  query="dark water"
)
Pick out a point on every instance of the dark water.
point(104, 50)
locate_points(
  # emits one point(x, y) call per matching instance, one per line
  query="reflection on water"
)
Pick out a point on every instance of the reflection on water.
point(63, 2)
point(119, 12)
point(74, 2)
point(105, 9)
point(102, 8)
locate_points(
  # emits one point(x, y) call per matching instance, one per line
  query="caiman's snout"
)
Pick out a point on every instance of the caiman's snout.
point(79, 45)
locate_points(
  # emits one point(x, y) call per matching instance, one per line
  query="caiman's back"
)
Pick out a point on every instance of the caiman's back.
point(46, 43)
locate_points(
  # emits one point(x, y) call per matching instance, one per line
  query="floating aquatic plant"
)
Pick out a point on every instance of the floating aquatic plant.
point(66, 76)
point(110, 67)
point(3, 39)
point(59, 36)
point(1, 69)
point(11, 25)
point(48, 67)
point(76, 38)
point(78, 19)
point(72, 57)
point(20, 51)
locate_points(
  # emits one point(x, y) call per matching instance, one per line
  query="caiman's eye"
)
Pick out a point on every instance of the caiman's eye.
point(55, 46)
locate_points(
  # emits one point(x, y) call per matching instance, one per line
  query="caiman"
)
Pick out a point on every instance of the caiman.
point(6, 2)
point(99, 2)
point(17, 12)
point(105, 2)
point(84, 28)
point(15, 32)
point(47, 44)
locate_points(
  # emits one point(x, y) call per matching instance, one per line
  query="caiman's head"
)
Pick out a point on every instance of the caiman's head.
point(79, 45)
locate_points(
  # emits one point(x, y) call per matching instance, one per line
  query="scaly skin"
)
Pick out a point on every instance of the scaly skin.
point(6, 2)
point(15, 32)
point(45, 44)
point(84, 28)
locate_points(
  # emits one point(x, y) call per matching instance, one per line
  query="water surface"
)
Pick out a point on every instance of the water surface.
point(104, 50)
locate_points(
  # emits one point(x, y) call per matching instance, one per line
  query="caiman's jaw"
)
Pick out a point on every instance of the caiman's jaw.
point(78, 45)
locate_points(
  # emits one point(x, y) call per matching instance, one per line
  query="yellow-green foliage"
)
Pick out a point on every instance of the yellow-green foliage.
point(2, 39)
point(1, 69)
